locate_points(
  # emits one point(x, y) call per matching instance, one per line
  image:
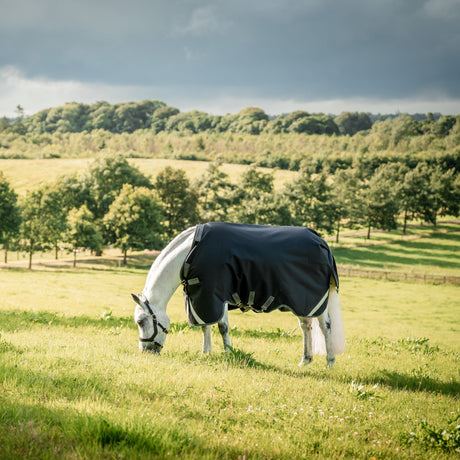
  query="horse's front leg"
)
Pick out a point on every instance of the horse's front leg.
point(325, 326)
point(305, 325)
point(224, 328)
point(206, 339)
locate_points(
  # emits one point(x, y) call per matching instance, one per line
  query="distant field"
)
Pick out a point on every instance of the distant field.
point(26, 175)
point(422, 249)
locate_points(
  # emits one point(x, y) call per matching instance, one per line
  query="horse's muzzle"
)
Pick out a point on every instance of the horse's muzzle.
point(149, 347)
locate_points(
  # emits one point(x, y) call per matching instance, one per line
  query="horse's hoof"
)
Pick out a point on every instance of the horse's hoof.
point(305, 362)
point(330, 362)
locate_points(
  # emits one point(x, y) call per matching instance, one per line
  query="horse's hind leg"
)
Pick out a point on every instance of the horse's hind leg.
point(224, 328)
point(206, 339)
point(305, 325)
point(325, 326)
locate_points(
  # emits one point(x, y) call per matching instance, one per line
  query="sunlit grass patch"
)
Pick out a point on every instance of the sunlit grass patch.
point(422, 250)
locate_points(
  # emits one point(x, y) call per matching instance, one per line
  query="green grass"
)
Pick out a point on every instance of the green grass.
point(74, 385)
point(421, 250)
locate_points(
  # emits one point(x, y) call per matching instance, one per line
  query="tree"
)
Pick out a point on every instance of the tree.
point(75, 191)
point(443, 126)
point(134, 220)
point(344, 191)
point(216, 194)
point(256, 201)
point(179, 200)
point(43, 221)
point(314, 124)
point(251, 120)
point(352, 122)
point(73, 118)
point(443, 197)
point(377, 200)
point(10, 214)
point(104, 180)
point(55, 217)
point(82, 232)
point(4, 124)
point(161, 116)
point(32, 225)
point(413, 188)
point(100, 116)
point(18, 125)
point(311, 202)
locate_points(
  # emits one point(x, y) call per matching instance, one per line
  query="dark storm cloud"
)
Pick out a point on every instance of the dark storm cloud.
point(311, 49)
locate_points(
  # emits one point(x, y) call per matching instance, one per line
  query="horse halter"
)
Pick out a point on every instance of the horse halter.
point(156, 324)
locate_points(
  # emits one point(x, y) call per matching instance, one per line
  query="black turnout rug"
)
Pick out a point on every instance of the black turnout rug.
point(256, 267)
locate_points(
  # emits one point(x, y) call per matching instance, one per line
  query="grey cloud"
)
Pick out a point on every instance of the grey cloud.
point(307, 49)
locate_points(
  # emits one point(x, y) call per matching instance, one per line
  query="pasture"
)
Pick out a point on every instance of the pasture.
point(26, 175)
point(74, 385)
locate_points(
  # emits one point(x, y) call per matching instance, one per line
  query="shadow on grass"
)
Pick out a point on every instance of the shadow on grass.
point(436, 249)
point(39, 432)
point(407, 382)
point(235, 357)
point(17, 320)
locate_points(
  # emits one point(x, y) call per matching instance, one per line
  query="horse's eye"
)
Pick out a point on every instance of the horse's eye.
point(141, 321)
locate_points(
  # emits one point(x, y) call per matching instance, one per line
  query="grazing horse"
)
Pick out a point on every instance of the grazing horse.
point(224, 266)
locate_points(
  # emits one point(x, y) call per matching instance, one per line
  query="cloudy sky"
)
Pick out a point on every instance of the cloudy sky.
point(223, 55)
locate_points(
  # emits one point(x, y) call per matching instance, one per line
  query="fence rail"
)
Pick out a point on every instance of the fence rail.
point(400, 276)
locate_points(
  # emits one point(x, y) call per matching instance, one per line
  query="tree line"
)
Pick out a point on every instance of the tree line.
point(156, 116)
point(112, 203)
point(401, 139)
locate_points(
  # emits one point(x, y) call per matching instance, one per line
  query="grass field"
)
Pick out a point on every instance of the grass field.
point(73, 384)
point(423, 249)
point(26, 175)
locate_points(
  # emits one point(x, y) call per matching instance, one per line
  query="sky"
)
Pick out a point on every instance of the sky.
point(220, 56)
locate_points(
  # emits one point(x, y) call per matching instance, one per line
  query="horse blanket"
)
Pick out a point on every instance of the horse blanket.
point(256, 267)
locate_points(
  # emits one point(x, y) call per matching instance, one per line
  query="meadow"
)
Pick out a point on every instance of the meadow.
point(29, 174)
point(74, 385)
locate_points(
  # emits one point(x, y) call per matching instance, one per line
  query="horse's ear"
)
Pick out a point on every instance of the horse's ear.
point(136, 299)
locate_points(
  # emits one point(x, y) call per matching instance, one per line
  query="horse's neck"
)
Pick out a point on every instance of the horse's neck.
point(164, 275)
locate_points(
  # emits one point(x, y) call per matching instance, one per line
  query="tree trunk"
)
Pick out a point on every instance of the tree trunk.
point(338, 231)
point(369, 232)
point(405, 222)
point(30, 260)
point(74, 258)
point(125, 259)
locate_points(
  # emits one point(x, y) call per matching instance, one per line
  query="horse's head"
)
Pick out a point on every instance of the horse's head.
point(153, 327)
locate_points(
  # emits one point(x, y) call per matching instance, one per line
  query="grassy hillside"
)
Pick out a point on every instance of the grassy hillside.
point(26, 175)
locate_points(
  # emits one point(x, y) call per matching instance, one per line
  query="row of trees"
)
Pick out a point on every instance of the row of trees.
point(157, 116)
point(113, 203)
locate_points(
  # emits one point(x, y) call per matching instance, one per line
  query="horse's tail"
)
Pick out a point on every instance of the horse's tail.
point(337, 334)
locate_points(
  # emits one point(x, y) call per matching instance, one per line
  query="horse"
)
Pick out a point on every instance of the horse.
point(321, 324)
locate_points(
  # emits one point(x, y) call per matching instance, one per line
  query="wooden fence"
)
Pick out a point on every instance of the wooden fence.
point(399, 276)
